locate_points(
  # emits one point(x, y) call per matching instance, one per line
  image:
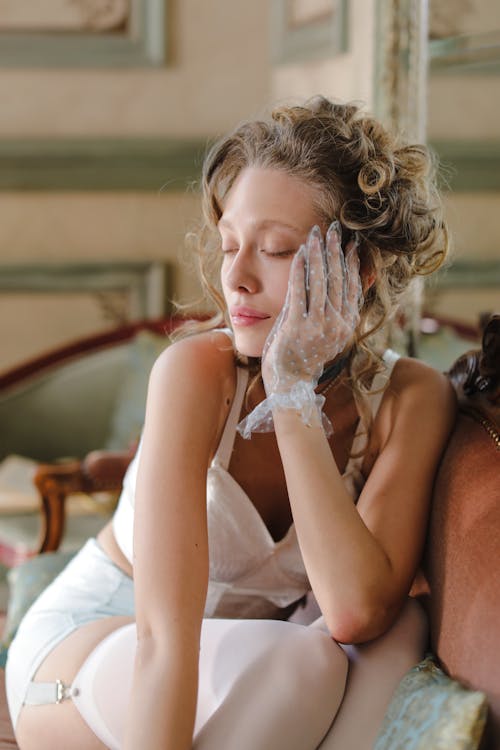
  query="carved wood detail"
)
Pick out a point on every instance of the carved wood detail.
point(64, 15)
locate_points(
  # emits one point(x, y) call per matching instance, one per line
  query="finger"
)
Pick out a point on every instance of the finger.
point(316, 280)
point(335, 262)
point(296, 298)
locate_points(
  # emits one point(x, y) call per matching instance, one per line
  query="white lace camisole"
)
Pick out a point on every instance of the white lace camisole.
point(250, 575)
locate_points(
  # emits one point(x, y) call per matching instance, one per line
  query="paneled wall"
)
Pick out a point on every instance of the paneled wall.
point(464, 127)
point(55, 121)
point(98, 164)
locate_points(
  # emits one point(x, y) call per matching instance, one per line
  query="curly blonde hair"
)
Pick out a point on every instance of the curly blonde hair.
point(367, 178)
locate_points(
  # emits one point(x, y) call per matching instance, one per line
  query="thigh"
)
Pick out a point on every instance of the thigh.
point(266, 685)
point(61, 725)
point(375, 669)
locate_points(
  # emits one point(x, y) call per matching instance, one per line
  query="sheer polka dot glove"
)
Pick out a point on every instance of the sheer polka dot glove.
point(318, 320)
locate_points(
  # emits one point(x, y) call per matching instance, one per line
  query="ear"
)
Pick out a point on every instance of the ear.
point(367, 280)
point(367, 272)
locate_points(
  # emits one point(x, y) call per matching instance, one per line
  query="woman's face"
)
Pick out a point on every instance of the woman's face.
point(267, 216)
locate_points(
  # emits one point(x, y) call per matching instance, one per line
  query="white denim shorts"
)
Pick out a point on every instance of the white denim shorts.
point(89, 588)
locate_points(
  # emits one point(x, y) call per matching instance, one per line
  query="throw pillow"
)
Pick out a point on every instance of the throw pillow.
point(26, 583)
point(431, 711)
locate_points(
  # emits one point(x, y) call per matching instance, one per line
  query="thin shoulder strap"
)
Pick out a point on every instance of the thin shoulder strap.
point(223, 454)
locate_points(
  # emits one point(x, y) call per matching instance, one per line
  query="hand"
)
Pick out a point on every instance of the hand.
point(320, 313)
point(318, 320)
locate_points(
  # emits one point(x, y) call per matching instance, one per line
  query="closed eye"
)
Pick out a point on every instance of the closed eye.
point(280, 253)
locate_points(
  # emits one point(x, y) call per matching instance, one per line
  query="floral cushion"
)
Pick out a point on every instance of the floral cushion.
point(26, 582)
point(430, 711)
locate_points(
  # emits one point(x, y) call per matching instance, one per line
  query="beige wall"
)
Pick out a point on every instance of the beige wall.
point(474, 220)
point(460, 107)
point(219, 71)
point(52, 227)
point(210, 82)
point(345, 76)
point(466, 107)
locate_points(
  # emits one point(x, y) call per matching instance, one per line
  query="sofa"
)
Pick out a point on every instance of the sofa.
point(85, 395)
point(461, 563)
point(460, 581)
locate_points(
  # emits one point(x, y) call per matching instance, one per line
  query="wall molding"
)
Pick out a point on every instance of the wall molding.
point(322, 37)
point(81, 164)
point(144, 44)
point(172, 165)
point(467, 53)
point(468, 274)
point(148, 284)
point(469, 166)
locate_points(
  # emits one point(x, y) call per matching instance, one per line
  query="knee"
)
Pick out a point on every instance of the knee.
point(310, 660)
point(403, 644)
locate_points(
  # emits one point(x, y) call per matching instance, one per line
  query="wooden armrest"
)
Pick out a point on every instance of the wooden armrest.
point(100, 471)
point(103, 471)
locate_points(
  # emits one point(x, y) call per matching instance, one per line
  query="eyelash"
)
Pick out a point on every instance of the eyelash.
point(281, 254)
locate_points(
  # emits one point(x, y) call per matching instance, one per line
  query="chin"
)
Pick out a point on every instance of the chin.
point(246, 346)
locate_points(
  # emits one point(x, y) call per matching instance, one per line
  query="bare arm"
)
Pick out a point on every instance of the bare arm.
point(185, 410)
point(362, 559)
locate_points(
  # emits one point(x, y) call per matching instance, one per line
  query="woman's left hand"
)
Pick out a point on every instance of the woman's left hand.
point(317, 322)
point(320, 313)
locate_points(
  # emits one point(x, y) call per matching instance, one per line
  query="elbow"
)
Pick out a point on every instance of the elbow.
point(360, 623)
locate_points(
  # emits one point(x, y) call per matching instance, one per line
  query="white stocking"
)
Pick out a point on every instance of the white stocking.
point(375, 669)
point(267, 685)
point(264, 685)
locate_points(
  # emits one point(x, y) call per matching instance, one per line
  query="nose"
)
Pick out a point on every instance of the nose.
point(241, 272)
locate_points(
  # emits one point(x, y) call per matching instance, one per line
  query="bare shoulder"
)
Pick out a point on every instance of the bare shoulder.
point(414, 377)
point(204, 360)
point(421, 393)
point(192, 383)
point(415, 419)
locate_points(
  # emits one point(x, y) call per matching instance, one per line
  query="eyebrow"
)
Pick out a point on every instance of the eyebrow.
point(264, 224)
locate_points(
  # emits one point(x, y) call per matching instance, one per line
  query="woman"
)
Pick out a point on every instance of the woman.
point(317, 220)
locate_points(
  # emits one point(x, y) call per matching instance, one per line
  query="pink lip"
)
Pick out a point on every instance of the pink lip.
point(247, 316)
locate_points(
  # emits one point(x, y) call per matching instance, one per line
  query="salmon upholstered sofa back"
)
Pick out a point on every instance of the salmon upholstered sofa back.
point(462, 558)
